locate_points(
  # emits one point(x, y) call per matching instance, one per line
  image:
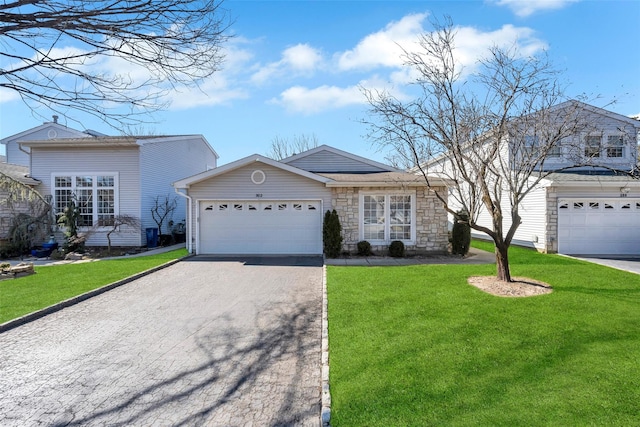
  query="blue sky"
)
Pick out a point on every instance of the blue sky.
point(295, 67)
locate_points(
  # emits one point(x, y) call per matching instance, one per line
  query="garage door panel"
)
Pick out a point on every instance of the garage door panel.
point(599, 227)
point(265, 227)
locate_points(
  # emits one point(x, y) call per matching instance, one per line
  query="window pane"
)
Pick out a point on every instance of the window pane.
point(62, 200)
point(84, 181)
point(85, 207)
point(400, 218)
point(105, 181)
point(374, 217)
point(106, 205)
point(63, 181)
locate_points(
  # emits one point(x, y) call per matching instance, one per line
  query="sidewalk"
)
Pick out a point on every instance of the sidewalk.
point(475, 256)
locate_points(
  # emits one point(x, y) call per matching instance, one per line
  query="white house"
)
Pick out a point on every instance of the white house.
point(109, 176)
point(257, 205)
point(593, 208)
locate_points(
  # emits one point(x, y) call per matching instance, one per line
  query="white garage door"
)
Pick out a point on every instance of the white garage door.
point(264, 227)
point(599, 226)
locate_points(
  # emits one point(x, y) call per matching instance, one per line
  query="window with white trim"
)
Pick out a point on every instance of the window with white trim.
point(615, 146)
point(94, 195)
point(387, 217)
point(592, 146)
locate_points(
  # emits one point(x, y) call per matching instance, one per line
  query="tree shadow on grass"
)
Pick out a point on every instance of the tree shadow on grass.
point(243, 373)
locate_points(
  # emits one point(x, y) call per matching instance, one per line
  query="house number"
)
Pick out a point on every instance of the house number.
point(259, 195)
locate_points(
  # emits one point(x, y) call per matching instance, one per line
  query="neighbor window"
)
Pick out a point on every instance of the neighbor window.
point(592, 146)
point(531, 145)
point(615, 146)
point(94, 195)
point(387, 217)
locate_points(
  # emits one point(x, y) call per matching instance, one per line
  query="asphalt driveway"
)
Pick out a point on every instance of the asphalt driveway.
point(222, 343)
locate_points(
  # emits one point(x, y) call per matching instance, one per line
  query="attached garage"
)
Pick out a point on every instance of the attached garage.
point(599, 226)
point(237, 227)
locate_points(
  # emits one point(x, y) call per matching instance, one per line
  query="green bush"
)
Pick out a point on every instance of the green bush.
point(460, 234)
point(364, 248)
point(331, 234)
point(396, 249)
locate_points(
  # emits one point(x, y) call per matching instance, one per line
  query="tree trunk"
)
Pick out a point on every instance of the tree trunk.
point(502, 262)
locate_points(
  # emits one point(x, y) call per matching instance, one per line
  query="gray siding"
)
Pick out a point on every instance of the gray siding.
point(328, 162)
point(237, 185)
point(123, 161)
point(163, 163)
point(19, 157)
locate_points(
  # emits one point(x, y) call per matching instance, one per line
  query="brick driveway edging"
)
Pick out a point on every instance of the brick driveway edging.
point(82, 297)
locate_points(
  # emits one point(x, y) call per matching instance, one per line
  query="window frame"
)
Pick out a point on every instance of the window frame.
point(592, 150)
point(387, 216)
point(94, 188)
point(618, 146)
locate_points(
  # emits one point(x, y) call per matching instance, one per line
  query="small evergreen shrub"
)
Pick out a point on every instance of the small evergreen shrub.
point(396, 249)
point(460, 234)
point(364, 248)
point(331, 234)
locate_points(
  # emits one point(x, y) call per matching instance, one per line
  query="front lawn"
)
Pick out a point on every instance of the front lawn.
point(52, 284)
point(418, 346)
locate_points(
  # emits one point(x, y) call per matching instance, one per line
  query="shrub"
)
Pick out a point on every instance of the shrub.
point(396, 249)
point(364, 248)
point(331, 234)
point(460, 234)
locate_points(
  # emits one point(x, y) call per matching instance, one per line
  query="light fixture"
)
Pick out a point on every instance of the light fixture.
point(624, 190)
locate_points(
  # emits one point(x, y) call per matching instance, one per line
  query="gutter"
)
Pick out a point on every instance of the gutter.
point(189, 219)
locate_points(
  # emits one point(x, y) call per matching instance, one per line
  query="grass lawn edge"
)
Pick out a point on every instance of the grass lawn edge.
point(19, 321)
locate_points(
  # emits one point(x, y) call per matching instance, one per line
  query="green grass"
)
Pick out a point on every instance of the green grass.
point(418, 346)
point(53, 284)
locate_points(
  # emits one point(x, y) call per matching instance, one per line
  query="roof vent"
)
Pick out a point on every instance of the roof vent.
point(55, 118)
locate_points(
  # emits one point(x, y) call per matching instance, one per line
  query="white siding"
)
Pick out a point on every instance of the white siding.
point(237, 185)
point(19, 157)
point(122, 161)
point(163, 163)
point(328, 162)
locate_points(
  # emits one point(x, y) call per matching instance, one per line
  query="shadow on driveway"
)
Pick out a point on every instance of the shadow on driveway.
point(240, 383)
point(274, 260)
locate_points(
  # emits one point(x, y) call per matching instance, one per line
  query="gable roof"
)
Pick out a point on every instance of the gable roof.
point(53, 126)
point(202, 176)
point(573, 103)
point(113, 141)
point(325, 148)
point(381, 179)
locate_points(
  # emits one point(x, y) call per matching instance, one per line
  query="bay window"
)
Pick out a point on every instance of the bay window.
point(95, 196)
point(387, 217)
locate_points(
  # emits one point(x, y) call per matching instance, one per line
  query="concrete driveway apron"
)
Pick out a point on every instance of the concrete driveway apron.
point(220, 343)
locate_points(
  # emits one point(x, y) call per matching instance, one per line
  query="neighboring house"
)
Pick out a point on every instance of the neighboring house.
point(257, 205)
point(584, 210)
point(9, 208)
point(109, 176)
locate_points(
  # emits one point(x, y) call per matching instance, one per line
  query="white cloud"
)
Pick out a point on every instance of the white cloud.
point(299, 99)
point(524, 8)
point(472, 44)
point(297, 60)
point(383, 47)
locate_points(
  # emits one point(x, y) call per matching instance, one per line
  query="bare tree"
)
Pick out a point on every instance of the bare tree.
point(113, 225)
point(281, 148)
point(461, 125)
point(163, 207)
point(95, 56)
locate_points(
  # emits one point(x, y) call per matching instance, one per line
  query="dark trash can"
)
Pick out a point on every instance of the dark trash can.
point(152, 237)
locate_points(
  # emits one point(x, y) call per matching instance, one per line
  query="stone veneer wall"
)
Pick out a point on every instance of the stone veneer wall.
point(552, 221)
point(431, 219)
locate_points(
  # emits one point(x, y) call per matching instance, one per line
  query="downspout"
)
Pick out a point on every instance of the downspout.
point(189, 219)
point(28, 153)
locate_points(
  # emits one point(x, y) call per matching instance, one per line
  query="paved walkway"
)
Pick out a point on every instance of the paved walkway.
point(198, 343)
point(475, 256)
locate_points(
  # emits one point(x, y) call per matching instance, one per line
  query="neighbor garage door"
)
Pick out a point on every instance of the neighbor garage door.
point(599, 226)
point(264, 227)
